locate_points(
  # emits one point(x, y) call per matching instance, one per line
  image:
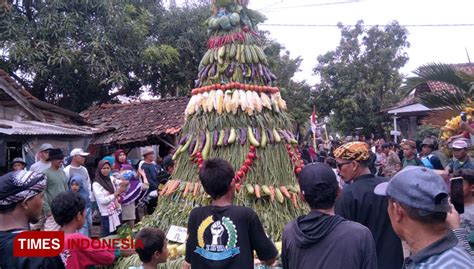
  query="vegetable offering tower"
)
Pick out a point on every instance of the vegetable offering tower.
point(235, 113)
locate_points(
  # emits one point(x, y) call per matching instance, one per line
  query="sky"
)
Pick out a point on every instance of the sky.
point(428, 44)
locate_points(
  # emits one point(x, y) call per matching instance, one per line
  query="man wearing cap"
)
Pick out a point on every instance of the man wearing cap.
point(57, 183)
point(418, 207)
point(463, 224)
point(427, 157)
point(150, 168)
point(359, 203)
point(43, 163)
point(342, 243)
point(467, 218)
point(21, 203)
point(18, 164)
point(462, 160)
point(409, 154)
point(152, 171)
point(392, 163)
point(76, 168)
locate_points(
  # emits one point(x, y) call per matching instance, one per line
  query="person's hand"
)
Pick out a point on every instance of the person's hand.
point(185, 265)
point(121, 189)
point(453, 220)
point(118, 191)
point(449, 140)
point(141, 172)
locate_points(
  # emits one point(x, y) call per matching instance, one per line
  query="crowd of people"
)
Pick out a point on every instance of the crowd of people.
point(112, 194)
point(376, 205)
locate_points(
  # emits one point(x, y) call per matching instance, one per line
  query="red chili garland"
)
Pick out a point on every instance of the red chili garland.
point(240, 174)
point(295, 158)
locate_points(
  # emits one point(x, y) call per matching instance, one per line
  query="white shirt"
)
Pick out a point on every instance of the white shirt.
point(105, 200)
point(40, 166)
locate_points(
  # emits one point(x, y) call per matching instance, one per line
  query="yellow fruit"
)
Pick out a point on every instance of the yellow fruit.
point(181, 249)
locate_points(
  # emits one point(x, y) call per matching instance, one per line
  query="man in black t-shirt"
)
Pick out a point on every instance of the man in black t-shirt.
point(223, 235)
point(21, 203)
point(359, 203)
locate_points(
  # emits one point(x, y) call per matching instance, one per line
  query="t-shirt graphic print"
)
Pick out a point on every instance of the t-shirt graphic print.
point(217, 240)
point(225, 237)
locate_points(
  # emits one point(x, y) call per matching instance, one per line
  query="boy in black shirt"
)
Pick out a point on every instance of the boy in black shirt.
point(223, 235)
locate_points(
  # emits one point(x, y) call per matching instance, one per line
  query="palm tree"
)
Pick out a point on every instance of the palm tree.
point(458, 90)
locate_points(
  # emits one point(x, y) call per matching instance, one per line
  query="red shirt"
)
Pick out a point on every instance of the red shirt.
point(78, 256)
point(466, 133)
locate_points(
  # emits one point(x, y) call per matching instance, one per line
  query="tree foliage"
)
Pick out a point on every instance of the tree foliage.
point(182, 28)
point(298, 95)
point(454, 97)
point(80, 53)
point(77, 53)
point(361, 76)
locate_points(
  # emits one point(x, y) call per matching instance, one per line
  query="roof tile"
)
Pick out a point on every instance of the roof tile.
point(137, 121)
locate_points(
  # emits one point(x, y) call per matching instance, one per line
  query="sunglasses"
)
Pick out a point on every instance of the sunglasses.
point(339, 165)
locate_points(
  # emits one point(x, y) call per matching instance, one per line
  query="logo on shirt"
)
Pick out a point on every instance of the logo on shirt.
point(214, 248)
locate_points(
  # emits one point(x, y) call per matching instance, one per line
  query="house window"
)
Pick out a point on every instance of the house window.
point(13, 150)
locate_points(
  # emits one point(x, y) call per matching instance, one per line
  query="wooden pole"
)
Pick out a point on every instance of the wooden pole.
point(327, 136)
point(315, 144)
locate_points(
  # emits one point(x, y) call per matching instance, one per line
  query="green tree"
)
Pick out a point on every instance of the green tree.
point(361, 76)
point(454, 97)
point(183, 29)
point(298, 95)
point(83, 52)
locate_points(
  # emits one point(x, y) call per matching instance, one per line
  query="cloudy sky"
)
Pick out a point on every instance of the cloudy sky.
point(446, 44)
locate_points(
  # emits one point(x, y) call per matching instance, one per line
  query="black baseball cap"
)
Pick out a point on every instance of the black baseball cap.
point(55, 154)
point(316, 174)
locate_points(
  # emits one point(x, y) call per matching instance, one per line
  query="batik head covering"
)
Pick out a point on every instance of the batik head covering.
point(19, 186)
point(354, 151)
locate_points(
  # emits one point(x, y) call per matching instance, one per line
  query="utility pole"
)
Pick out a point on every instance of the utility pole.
point(467, 53)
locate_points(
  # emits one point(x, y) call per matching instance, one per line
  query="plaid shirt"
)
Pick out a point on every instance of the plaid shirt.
point(444, 253)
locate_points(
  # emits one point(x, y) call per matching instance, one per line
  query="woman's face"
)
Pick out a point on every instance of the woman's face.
point(122, 157)
point(105, 171)
point(75, 187)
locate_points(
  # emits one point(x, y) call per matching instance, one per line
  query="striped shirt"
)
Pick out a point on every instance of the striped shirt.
point(444, 253)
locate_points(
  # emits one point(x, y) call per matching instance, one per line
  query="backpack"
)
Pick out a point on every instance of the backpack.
point(426, 161)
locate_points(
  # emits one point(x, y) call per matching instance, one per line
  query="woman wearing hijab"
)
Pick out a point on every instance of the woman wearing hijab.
point(76, 184)
point(106, 196)
point(120, 159)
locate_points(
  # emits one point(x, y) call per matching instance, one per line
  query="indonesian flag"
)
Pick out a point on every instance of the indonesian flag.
point(314, 121)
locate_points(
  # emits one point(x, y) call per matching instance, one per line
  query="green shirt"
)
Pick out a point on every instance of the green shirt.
point(55, 184)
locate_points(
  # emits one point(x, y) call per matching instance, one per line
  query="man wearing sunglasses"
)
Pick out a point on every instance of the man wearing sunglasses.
point(359, 203)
